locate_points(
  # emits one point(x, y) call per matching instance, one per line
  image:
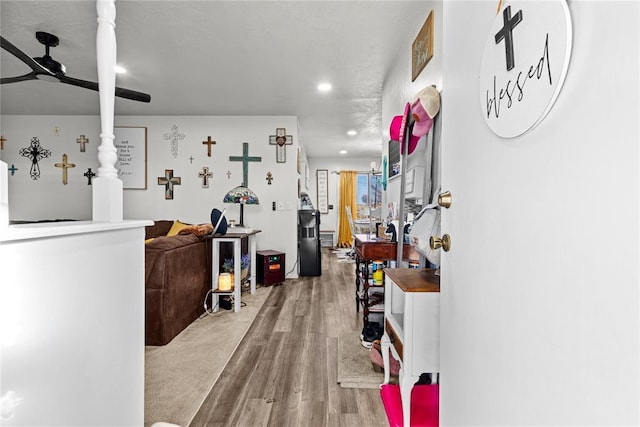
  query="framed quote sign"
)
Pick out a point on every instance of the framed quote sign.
point(422, 48)
point(322, 182)
point(131, 146)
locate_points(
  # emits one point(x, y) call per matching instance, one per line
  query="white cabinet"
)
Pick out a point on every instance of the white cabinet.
point(414, 182)
point(411, 327)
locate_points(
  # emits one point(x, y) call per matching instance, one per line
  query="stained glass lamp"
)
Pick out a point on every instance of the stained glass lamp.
point(243, 196)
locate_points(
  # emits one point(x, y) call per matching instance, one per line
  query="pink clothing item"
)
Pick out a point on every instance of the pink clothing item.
point(424, 109)
point(397, 128)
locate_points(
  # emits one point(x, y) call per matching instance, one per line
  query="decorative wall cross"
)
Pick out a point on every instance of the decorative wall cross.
point(245, 159)
point(174, 136)
point(64, 165)
point(191, 159)
point(13, 169)
point(35, 152)
point(82, 140)
point(169, 181)
point(2, 141)
point(506, 34)
point(208, 143)
point(280, 140)
point(228, 174)
point(269, 177)
point(205, 175)
point(89, 174)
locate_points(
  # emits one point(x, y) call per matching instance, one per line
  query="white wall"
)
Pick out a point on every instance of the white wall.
point(540, 295)
point(398, 89)
point(47, 198)
point(77, 304)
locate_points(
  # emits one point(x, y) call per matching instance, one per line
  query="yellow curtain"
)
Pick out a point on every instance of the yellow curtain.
point(347, 198)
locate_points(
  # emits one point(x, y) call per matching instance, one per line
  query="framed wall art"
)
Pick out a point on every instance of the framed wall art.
point(322, 182)
point(131, 146)
point(422, 48)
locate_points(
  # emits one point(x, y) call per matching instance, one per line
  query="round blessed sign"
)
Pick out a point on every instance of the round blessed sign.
point(524, 63)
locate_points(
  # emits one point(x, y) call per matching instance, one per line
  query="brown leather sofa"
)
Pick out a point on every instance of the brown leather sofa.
point(177, 279)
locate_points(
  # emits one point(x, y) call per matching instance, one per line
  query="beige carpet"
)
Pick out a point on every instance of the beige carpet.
point(354, 365)
point(179, 375)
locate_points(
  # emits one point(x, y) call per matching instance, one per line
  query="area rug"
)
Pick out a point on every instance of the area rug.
point(343, 254)
point(179, 375)
point(354, 366)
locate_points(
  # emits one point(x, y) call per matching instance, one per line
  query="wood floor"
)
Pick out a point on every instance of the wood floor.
point(284, 370)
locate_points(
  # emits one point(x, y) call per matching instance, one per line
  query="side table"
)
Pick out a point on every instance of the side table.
point(234, 238)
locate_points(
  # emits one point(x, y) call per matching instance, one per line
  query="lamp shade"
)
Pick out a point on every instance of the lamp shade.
point(241, 195)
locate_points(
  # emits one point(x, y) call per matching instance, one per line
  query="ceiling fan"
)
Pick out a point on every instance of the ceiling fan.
point(47, 68)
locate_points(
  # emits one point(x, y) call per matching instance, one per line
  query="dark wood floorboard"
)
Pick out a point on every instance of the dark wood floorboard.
point(284, 372)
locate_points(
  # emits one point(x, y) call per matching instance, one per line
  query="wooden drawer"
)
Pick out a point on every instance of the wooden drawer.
point(396, 342)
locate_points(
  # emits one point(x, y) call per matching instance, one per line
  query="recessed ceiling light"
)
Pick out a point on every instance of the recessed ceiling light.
point(119, 69)
point(352, 132)
point(324, 87)
point(343, 151)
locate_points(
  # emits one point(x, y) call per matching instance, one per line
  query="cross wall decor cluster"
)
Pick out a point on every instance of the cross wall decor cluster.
point(169, 180)
point(35, 152)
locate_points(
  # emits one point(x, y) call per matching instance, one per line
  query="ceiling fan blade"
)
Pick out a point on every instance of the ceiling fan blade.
point(77, 82)
point(120, 92)
point(29, 76)
point(132, 94)
point(37, 68)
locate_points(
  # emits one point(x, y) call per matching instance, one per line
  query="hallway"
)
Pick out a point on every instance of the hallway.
point(284, 370)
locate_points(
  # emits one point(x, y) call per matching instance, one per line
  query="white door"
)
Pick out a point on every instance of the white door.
point(540, 296)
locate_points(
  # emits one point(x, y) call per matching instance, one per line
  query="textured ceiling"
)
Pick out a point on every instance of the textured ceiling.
point(224, 58)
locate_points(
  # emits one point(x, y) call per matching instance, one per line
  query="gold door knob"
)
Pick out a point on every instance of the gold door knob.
point(437, 242)
point(444, 199)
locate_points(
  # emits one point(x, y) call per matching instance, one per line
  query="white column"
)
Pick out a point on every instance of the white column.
point(107, 187)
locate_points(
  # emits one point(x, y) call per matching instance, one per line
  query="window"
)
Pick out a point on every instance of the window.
point(369, 197)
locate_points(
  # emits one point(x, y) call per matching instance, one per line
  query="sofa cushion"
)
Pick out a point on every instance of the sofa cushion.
point(176, 227)
point(159, 228)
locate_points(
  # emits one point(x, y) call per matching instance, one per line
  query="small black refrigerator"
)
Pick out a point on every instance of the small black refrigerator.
point(309, 244)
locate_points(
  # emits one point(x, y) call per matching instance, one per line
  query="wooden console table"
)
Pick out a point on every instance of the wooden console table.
point(370, 248)
point(411, 327)
point(235, 237)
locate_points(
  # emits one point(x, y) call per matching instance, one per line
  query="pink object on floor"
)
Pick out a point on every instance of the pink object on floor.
point(425, 405)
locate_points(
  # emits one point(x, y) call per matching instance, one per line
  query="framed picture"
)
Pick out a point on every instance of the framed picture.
point(394, 160)
point(131, 147)
point(422, 48)
point(298, 160)
point(322, 182)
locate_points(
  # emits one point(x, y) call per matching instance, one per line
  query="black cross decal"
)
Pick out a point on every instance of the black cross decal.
point(13, 169)
point(89, 174)
point(506, 34)
point(168, 180)
point(35, 152)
